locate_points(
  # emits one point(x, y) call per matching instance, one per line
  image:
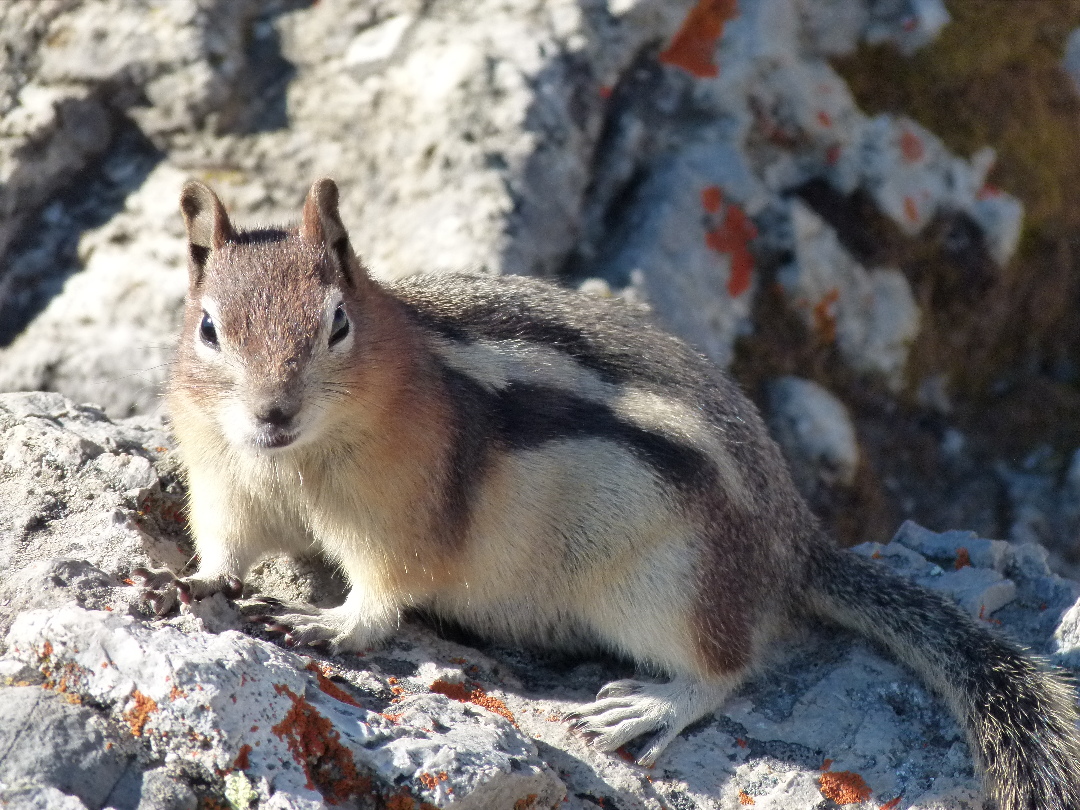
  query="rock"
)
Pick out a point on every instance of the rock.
point(74, 65)
point(160, 712)
point(709, 192)
point(872, 315)
point(1067, 638)
point(1071, 62)
point(73, 485)
point(39, 798)
point(160, 790)
point(913, 178)
point(972, 570)
point(957, 548)
point(109, 336)
point(528, 138)
point(229, 703)
point(815, 431)
point(909, 24)
point(49, 741)
point(1044, 507)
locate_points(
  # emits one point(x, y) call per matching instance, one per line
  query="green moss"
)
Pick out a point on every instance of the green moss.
point(993, 77)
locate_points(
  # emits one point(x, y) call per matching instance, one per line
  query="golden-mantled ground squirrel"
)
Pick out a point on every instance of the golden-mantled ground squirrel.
point(546, 468)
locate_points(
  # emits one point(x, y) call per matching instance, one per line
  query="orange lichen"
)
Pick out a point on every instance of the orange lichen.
point(316, 746)
point(911, 209)
point(176, 692)
point(824, 118)
point(963, 558)
point(911, 146)
point(605, 91)
point(331, 688)
point(526, 803)
point(625, 755)
point(826, 764)
point(825, 315)
point(403, 800)
point(242, 763)
point(733, 237)
point(694, 43)
point(832, 155)
point(892, 804)
point(432, 780)
point(712, 198)
point(739, 741)
point(745, 798)
point(138, 714)
point(476, 696)
point(68, 677)
point(844, 787)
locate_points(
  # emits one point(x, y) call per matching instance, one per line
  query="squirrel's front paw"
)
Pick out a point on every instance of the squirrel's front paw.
point(332, 629)
point(163, 590)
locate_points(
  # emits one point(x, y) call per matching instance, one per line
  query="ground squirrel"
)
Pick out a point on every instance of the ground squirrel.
point(545, 468)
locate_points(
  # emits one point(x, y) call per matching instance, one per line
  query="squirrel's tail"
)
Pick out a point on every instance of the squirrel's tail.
point(1020, 717)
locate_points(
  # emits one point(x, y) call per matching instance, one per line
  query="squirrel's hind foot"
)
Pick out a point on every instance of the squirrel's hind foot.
point(625, 710)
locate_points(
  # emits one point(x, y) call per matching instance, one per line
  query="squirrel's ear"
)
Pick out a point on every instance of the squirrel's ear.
point(322, 225)
point(208, 225)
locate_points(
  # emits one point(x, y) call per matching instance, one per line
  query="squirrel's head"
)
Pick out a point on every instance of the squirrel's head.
point(271, 320)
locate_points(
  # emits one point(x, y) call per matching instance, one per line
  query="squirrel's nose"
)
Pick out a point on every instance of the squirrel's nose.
point(276, 415)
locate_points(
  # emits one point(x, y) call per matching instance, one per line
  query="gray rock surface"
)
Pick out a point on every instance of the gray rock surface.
point(78, 759)
point(156, 712)
point(538, 136)
point(1044, 506)
point(69, 68)
point(1071, 62)
point(872, 315)
point(814, 430)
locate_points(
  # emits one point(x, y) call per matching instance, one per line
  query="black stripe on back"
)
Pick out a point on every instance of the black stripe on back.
point(606, 336)
point(524, 417)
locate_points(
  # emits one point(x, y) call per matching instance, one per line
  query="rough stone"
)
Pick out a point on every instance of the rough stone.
point(227, 702)
point(682, 243)
point(71, 67)
point(109, 336)
point(423, 716)
point(872, 315)
point(528, 137)
point(38, 798)
point(956, 547)
point(1044, 507)
point(815, 431)
point(73, 485)
point(1071, 61)
point(48, 741)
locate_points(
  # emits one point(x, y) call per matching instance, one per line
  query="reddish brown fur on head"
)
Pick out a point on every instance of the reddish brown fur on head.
point(268, 295)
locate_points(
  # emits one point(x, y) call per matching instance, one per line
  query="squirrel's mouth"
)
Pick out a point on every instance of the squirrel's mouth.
point(269, 437)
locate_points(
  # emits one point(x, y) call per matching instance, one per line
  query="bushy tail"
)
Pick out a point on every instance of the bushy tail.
point(1020, 717)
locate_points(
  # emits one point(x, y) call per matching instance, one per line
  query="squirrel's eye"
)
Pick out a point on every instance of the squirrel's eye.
point(207, 331)
point(339, 328)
